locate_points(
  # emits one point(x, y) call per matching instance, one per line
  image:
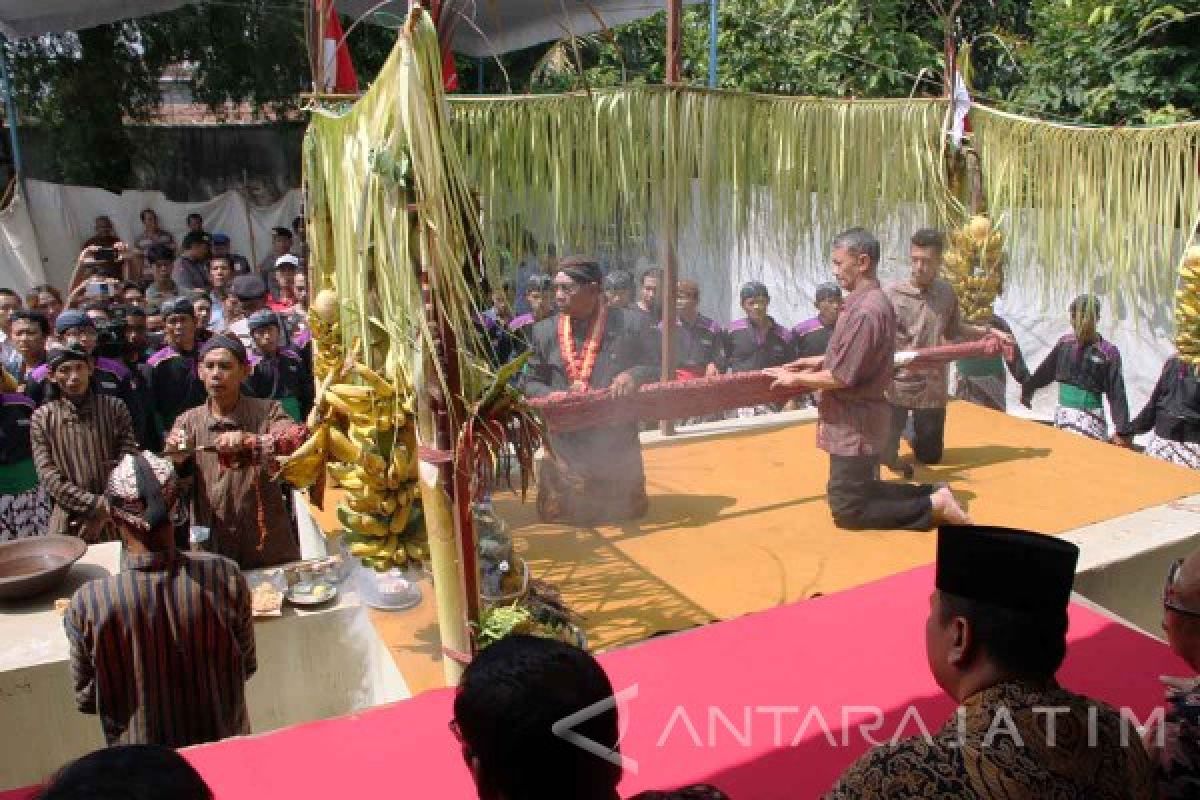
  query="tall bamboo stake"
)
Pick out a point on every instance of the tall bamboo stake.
point(437, 483)
point(670, 227)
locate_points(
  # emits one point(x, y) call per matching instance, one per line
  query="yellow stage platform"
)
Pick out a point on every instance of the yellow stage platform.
point(738, 523)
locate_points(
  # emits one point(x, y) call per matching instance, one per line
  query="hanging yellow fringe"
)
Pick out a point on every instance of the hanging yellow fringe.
point(1108, 207)
point(579, 164)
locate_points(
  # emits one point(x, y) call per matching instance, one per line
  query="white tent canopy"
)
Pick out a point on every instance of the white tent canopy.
point(22, 18)
point(491, 27)
point(488, 27)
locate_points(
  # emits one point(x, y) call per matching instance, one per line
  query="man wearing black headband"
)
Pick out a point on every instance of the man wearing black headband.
point(231, 443)
point(162, 650)
point(174, 381)
point(1088, 369)
point(618, 287)
point(756, 341)
point(596, 475)
point(811, 336)
point(995, 637)
point(108, 376)
point(278, 372)
point(76, 438)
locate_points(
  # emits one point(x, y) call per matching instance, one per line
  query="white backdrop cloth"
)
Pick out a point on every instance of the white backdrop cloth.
point(42, 232)
point(63, 217)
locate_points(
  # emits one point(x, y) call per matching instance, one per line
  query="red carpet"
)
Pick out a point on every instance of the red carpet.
point(726, 704)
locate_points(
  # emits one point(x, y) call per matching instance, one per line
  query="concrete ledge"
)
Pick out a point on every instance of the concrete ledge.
point(1123, 561)
point(729, 427)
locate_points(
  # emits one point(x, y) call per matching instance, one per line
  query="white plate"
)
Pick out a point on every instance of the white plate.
point(408, 600)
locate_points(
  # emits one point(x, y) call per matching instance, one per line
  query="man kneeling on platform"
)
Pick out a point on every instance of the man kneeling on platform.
point(995, 636)
point(854, 416)
point(592, 476)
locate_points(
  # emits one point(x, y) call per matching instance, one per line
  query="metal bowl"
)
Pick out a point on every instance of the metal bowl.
point(31, 566)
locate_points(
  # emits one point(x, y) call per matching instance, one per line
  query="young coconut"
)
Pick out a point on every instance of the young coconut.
point(325, 304)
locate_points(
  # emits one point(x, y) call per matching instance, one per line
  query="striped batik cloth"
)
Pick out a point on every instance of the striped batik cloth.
point(161, 652)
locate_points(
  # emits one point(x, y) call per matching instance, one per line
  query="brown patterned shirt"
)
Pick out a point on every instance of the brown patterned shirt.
point(854, 421)
point(924, 318)
point(75, 447)
point(162, 650)
point(998, 746)
point(242, 506)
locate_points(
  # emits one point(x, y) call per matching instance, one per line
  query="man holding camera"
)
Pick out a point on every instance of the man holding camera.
point(109, 376)
point(99, 270)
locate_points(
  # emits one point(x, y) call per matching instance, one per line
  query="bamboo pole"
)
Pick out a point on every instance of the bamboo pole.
point(670, 220)
point(436, 481)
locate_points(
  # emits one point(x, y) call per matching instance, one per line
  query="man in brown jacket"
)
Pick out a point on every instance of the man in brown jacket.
point(77, 438)
point(927, 315)
point(231, 442)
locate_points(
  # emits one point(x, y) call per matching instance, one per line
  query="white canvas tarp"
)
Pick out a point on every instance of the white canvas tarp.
point(490, 27)
point(21, 18)
point(42, 232)
point(486, 27)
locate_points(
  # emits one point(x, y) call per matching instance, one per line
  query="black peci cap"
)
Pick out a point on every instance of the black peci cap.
point(1014, 569)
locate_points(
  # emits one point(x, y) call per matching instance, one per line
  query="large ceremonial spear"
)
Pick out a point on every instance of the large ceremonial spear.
point(702, 397)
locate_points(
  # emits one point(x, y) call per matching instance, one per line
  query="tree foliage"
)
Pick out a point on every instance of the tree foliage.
point(80, 88)
point(1094, 61)
point(1133, 61)
point(1098, 61)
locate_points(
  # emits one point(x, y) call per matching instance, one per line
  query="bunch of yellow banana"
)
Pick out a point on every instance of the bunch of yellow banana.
point(1187, 307)
point(974, 267)
point(372, 450)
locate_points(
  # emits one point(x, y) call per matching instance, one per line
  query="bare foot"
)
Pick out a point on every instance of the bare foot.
point(947, 509)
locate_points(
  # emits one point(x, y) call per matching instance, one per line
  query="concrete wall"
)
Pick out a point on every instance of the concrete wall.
point(194, 162)
point(311, 665)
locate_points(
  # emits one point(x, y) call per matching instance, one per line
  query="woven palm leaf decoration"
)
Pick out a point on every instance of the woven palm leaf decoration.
point(974, 266)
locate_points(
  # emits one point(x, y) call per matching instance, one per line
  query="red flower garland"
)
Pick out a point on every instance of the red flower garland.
point(580, 366)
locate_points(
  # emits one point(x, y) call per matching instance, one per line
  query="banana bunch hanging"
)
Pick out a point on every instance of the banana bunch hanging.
point(364, 437)
point(974, 267)
point(1187, 307)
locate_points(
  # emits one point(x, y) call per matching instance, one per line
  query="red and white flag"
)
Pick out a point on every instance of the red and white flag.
point(960, 124)
point(337, 70)
point(449, 72)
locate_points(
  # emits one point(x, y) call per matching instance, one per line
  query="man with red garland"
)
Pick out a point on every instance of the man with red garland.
point(592, 476)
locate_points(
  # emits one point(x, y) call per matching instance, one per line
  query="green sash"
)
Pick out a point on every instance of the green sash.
point(1071, 396)
point(18, 478)
point(291, 404)
point(980, 367)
